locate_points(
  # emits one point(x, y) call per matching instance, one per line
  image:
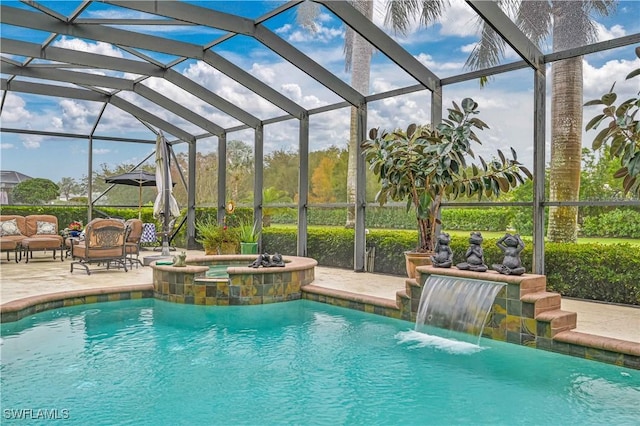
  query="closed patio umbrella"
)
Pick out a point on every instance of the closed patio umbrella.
point(165, 205)
point(137, 178)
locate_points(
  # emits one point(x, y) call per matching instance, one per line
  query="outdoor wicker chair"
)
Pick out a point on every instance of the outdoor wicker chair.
point(104, 244)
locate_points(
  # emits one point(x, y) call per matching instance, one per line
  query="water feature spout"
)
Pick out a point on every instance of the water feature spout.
point(457, 304)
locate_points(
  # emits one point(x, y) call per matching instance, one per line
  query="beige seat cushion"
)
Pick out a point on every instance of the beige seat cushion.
point(79, 250)
point(40, 243)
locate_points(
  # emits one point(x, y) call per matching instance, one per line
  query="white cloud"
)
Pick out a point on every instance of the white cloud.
point(292, 90)
point(101, 151)
point(428, 61)
point(99, 47)
point(468, 48)
point(31, 141)
point(458, 20)
point(604, 33)
point(598, 81)
point(5, 145)
point(15, 110)
point(77, 115)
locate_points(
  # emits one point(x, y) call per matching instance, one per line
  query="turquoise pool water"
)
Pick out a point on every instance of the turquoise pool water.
point(152, 362)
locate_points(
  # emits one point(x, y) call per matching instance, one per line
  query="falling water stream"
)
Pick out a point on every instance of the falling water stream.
point(457, 304)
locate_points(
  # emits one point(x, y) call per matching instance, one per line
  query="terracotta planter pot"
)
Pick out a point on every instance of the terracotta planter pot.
point(414, 259)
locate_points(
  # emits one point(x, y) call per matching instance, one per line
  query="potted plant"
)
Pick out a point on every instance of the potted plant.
point(216, 238)
point(249, 236)
point(75, 228)
point(425, 164)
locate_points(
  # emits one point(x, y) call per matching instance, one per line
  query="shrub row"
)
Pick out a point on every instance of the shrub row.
point(486, 219)
point(609, 273)
point(616, 223)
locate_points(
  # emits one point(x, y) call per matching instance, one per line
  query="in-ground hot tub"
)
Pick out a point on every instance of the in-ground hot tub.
point(244, 286)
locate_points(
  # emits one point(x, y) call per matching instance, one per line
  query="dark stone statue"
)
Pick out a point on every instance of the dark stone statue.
point(276, 260)
point(261, 260)
point(267, 261)
point(474, 255)
point(443, 257)
point(511, 246)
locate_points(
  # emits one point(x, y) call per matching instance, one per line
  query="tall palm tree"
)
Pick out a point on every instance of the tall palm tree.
point(358, 54)
point(570, 25)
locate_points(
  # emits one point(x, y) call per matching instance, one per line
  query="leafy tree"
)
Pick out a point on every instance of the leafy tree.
point(358, 53)
point(123, 195)
point(569, 24)
point(68, 186)
point(240, 166)
point(35, 191)
point(206, 166)
point(321, 188)
point(281, 172)
point(272, 195)
point(622, 134)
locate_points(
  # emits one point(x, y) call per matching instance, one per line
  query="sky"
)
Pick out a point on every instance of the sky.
point(506, 103)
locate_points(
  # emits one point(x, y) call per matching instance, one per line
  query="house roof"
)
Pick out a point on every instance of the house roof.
point(11, 178)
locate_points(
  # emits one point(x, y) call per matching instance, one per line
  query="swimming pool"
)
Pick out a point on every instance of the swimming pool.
point(152, 362)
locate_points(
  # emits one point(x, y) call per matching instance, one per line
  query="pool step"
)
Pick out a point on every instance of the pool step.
point(559, 320)
point(543, 301)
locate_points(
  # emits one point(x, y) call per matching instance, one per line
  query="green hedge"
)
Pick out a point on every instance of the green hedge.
point(620, 223)
point(608, 273)
point(485, 219)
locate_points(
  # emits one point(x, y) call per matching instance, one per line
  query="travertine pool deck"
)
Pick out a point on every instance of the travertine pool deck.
point(43, 276)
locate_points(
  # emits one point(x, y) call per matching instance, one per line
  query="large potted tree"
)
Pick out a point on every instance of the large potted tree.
point(424, 165)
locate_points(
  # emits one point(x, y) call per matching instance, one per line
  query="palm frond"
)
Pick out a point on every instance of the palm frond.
point(306, 15)
point(432, 10)
point(399, 14)
point(534, 18)
point(488, 51)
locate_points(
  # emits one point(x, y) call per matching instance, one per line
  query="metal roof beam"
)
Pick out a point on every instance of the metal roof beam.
point(68, 76)
point(177, 109)
point(381, 41)
point(45, 10)
point(74, 135)
point(211, 98)
point(69, 56)
point(491, 13)
point(308, 66)
point(145, 115)
point(115, 83)
point(38, 21)
point(108, 62)
point(51, 90)
point(189, 13)
point(207, 17)
point(87, 95)
point(247, 80)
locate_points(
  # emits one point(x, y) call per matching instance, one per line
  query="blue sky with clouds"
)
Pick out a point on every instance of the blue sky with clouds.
point(506, 103)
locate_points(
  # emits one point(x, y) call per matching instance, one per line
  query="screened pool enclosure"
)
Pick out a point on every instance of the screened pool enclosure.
point(100, 80)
